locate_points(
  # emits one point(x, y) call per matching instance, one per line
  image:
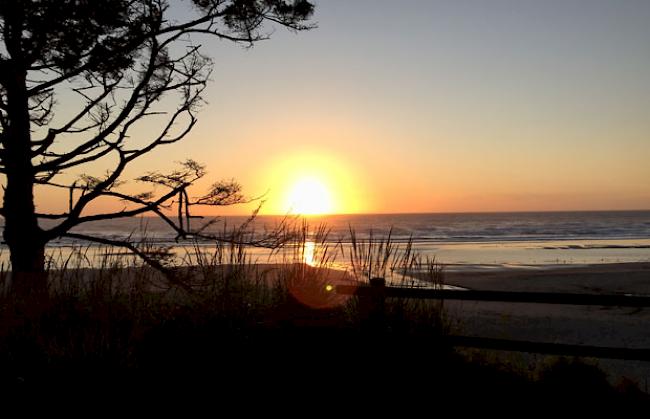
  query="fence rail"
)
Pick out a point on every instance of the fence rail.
point(373, 297)
point(614, 300)
point(630, 354)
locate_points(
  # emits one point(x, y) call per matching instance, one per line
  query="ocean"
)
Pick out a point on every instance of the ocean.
point(458, 240)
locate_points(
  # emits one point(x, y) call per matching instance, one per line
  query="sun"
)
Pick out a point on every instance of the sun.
point(310, 183)
point(310, 196)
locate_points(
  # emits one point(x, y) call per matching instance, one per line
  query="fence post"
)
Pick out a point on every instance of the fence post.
point(374, 306)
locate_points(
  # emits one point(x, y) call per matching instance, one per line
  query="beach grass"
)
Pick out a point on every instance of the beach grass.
point(226, 315)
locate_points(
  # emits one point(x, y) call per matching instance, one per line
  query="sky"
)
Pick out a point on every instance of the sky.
point(434, 106)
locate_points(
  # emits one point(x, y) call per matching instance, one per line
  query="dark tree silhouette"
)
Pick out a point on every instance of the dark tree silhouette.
point(124, 61)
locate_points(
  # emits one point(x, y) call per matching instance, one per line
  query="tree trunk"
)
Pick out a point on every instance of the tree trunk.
point(28, 274)
point(22, 234)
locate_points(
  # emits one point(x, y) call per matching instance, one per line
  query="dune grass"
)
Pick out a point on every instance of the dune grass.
point(102, 305)
point(110, 318)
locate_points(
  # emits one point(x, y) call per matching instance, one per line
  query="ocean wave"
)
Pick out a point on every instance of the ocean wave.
point(418, 228)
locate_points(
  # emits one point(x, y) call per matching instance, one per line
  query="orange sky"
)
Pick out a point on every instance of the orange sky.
point(434, 107)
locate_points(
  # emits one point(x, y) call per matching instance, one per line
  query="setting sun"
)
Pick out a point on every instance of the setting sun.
point(309, 196)
point(313, 182)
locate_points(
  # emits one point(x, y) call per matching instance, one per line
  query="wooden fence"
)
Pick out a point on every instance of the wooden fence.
point(375, 294)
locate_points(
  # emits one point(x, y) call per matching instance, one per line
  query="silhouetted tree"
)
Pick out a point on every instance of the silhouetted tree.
point(124, 61)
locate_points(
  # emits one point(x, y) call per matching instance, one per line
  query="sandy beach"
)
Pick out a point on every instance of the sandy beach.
point(616, 278)
point(583, 325)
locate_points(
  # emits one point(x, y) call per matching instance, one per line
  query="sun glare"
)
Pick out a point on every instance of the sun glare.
point(310, 196)
point(312, 183)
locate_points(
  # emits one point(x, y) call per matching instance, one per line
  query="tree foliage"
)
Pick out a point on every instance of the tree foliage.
point(120, 62)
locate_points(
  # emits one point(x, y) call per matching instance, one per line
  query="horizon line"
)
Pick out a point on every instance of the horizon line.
point(429, 212)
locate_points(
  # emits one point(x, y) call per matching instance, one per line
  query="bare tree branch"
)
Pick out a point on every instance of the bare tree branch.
point(122, 63)
point(152, 259)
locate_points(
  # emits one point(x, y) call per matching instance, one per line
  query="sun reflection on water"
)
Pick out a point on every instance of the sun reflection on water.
point(308, 253)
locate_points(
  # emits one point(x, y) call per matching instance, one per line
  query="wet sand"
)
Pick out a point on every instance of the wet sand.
point(618, 278)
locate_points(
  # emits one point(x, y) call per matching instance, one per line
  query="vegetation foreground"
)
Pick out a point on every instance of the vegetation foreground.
point(237, 325)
